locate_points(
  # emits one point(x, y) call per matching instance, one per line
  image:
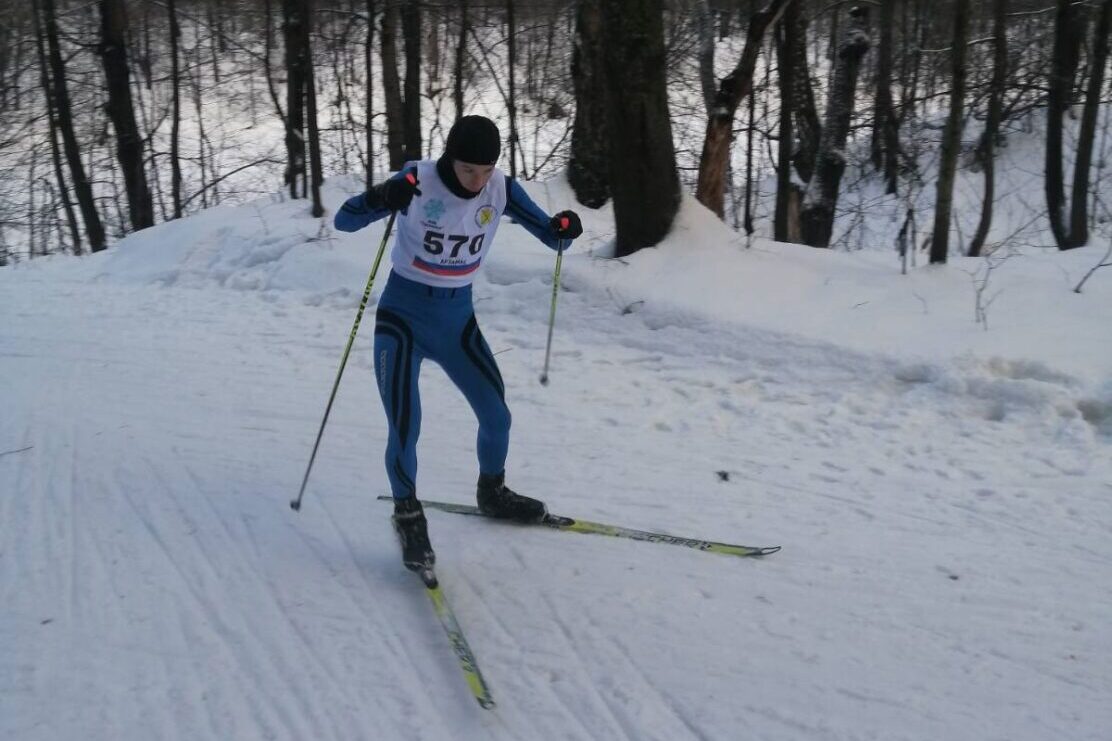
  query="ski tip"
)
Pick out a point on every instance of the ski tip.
point(486, 703)
point(767, 551)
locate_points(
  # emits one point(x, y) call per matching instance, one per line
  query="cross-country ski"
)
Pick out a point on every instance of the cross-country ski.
point(577, 525)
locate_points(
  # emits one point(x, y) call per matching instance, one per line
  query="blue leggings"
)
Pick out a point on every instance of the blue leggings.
point(414, 322)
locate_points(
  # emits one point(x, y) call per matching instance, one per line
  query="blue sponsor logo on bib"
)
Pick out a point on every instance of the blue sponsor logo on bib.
point(434, 209)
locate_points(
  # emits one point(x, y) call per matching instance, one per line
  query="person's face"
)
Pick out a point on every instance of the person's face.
point(472, 177)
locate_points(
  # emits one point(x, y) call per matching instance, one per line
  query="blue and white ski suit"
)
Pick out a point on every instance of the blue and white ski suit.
point(426, 312)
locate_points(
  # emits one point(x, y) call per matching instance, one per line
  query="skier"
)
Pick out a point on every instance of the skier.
point(448, 212)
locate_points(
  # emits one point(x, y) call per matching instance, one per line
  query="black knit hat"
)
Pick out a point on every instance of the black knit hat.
point(474, 139)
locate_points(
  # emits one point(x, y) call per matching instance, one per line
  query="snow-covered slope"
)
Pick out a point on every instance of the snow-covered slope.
point(943, 495)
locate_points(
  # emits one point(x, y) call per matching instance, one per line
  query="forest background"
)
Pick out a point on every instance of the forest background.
point(872, 125)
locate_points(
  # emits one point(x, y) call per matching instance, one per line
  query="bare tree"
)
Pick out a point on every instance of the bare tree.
point(121, 111)
point(715, 160)
point(511, 97)
point(1079, 214)
point(83, 190)
point(588, 166)
point(411, 104)
point(295, 32)
point(992, 123)
point(6, 45)
point(461, 58)
point(704, 20)
point(316, 168)
point(1069, 31)
point(886, 137)
point(951, 137)
point(822, 191)
point(807, 127)
point(59, 174)
point(392, 87)
point(368, 54)
point(785, 223)
point(175, 109)
point(643, 177)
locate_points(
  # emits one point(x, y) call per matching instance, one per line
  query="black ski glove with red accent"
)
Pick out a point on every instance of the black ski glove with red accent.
point(566, 225)
point(395, 193)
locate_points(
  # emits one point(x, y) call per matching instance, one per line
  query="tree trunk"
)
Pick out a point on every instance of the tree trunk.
point(56, 154)
point(5, 60)
point(787, 192)
point(704, 19)
point(461, 60)
point(293, 31)
point(1079, 213)
point(992, 124)
point(411, 30)
point(1068, 32)
point(748, 220)
point(822, 192)
point(911, 69)
point(715, 160)
point(807, 127)
point(316, 168)
point(643, 177)
point(268, 44)
point(392, 88)
point(512, 97)
point(215, 37)
point(951, 137)
point(886, 140)
point(175, 112)
point(129, 142)
point(83, 190)
point(370, 107)
point(16, 66)
point(588, 166)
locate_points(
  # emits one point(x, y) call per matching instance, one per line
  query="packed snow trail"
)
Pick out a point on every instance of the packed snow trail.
point(947, 529)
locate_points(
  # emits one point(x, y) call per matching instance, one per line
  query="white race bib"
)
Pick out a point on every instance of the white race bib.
point(442, 238)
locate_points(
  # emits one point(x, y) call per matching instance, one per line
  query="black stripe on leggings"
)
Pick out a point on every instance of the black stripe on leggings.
point(407, 482)
point(476, 350)
point(391, 325)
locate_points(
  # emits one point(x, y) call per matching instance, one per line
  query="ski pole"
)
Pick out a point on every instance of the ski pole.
point(295, 504)
point(555, 291)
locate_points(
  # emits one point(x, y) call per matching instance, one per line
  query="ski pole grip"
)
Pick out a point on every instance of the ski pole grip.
point(409, 178)
point(564, 221)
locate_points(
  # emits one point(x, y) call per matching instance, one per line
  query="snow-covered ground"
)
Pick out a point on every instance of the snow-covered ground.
point(942, 493)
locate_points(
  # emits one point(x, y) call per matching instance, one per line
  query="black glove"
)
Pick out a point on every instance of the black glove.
point(566, 225)
point(395, 193)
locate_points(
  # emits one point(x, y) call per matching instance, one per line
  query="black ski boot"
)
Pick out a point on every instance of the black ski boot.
point(498, 500)
point(413, 531)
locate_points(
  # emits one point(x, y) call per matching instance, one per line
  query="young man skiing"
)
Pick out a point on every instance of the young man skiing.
point(448, 212)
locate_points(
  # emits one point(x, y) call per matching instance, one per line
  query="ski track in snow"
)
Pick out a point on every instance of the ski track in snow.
point(946, 568)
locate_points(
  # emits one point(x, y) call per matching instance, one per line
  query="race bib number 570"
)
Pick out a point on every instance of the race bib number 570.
point(434, 243)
